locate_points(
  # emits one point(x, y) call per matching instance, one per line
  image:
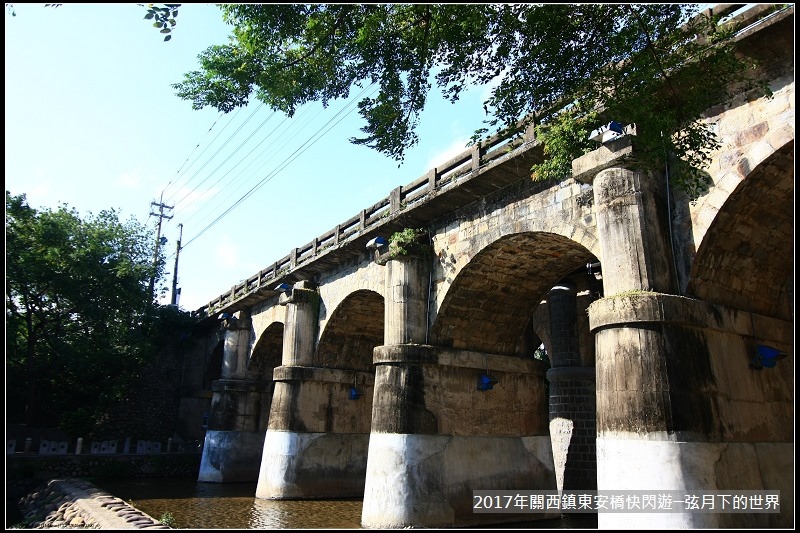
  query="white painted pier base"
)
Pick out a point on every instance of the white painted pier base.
point(427, 480)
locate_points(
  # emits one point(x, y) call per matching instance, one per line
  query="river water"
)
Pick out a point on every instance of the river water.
point(196, 505)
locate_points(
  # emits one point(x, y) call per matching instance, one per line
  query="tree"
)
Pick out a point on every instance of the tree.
point(79, 315)
point(654, 65)
point(163, 17)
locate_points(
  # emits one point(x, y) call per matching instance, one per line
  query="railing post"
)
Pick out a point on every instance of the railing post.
point(336, 233)
point(394, 200)
point(362, 220)
point(432, 175)
point(476, 156)
point(530, 132)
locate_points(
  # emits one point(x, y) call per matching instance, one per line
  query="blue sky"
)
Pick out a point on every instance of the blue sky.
point(92, 121)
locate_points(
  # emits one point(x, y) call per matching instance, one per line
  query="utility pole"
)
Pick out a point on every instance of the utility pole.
point(175, 270)
point(161, 216)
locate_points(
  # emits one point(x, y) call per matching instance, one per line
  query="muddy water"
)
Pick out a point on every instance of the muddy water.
point(233, 506)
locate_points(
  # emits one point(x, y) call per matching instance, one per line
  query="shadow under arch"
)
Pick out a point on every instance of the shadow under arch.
point(745, 266)
point(266, 356)
point(356, 327)
point(267, 353)
point(213, 368)
point(489, 305)
point(746, 258)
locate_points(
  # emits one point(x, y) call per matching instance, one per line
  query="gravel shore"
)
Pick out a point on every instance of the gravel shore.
point(77, 504)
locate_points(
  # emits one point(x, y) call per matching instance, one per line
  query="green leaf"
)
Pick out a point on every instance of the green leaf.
point(167, 38)
point(149, 16)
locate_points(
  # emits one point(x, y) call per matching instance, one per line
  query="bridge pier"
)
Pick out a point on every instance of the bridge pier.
point(316, 442)
point(233, 440)
point(572, 396)
point(675, 395)
point(436, 436)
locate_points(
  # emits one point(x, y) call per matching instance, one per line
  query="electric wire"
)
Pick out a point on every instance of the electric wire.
point(344, 112)
point(310, 142)
point(234, 178)
point(178, 172)
point(241, 160)
point(270, 148)
point(217, 152)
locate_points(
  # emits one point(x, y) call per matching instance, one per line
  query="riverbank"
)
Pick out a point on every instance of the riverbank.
point(74, 503)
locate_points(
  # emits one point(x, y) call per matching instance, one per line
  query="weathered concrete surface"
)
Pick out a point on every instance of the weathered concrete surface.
point(302, 316)
point(317, 400)
point(231, 456)
point(633, 229)
point(312, 465)
point(406, 318)
point(629, 462)
point(436, 437)
point(679, 406)
point(427, 480)
point(316, 444)
point(679, 365)
point(423, 389)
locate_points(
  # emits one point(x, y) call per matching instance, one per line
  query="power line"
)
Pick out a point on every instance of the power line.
point(178, 172)
point(233, 117)
point(310, 142)
point(271, 147)
point(263, 123)
point(217, 152)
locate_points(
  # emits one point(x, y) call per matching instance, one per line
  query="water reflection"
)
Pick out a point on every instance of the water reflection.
point(229, 505)
point(233, 506)
point(340, 514)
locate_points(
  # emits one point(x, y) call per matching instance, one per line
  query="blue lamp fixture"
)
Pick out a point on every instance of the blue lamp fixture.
point(766, 357)
point(355, 394)
point(608, 132)
point(377, 242)
point(283, 287)
point(486, 382)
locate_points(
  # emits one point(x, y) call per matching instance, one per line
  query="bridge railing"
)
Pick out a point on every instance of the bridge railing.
point(401, 198)
point(436, 180)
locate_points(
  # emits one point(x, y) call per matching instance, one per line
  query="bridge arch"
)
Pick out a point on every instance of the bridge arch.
point(213, 369)
point(745, 260)
point(267, 353)
point(489, 305)
point(354, 328)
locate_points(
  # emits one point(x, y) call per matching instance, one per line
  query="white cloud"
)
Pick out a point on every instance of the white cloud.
point(228, 255)
point(129, 180)
point(437, 159)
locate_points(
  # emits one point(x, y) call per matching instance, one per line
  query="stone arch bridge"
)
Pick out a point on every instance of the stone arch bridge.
point(346, 370)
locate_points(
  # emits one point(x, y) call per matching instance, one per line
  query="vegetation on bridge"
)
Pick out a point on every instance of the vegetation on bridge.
point(658, 66)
